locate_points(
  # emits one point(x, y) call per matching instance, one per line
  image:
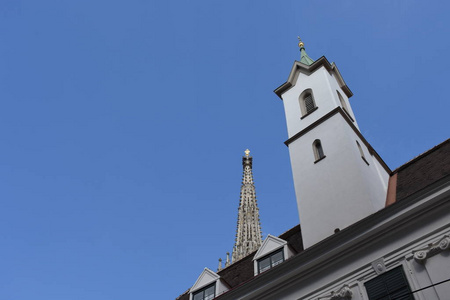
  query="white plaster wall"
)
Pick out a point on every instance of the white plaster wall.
point(338, 190)
point(383, 176)
point(220, 287)
point(335, 87)
point(375, 176)
point(324, 88)
point(438, 269)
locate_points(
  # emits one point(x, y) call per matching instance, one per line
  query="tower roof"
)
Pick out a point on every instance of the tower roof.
point(304, 58)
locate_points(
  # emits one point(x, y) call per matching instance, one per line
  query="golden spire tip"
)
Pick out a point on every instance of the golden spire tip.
point(247, 152)
point(300, 43)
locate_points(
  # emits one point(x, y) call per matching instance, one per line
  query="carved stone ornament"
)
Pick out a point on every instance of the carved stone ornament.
point(343, 293)
point(379, 266)
point(422, 255)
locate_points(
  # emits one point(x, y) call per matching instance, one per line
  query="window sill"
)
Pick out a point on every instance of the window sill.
point(364, 159)
point(320, 159)
point(307, 114)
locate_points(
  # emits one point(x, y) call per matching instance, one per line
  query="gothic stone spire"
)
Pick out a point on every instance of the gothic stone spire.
point(248, 233)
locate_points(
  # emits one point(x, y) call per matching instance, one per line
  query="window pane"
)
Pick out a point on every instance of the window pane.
point(264, 265)
point(209, 292)
point(309, 103)
point(198, 296)
point(319, 150)
point(277, 258)
point(206, 293)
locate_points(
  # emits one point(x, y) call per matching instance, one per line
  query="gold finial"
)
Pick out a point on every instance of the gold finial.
point(247, 152)
point(300, 43)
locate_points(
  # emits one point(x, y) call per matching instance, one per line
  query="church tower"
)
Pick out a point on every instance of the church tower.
point(338, 177)
point(248, 232)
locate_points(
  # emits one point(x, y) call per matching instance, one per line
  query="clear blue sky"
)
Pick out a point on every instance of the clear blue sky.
point(122, 126)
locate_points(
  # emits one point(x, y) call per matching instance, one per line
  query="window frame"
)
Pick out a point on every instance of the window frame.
point(302, 102)
point(362, 153)
point(344, 105)
point(319, 154)
point(270, 256)
point(383, 283)
point(203, 290)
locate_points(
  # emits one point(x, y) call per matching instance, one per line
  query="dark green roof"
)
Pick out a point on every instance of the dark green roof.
point(304, 58)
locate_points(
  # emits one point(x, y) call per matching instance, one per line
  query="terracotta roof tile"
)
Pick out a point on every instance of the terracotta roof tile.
point(423, 170)
point(242, 271)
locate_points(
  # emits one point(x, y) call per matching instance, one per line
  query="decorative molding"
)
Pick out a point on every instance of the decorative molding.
point(379, 266)
point(270, 244)
point(299, 67)
point(207, 277)
point(422, 255)
point(343, 293)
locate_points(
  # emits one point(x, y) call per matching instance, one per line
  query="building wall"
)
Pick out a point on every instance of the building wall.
point(338, 190)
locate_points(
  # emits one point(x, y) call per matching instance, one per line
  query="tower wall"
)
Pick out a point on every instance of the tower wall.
point(324, 87)
point(342, 188)
point(338, 190)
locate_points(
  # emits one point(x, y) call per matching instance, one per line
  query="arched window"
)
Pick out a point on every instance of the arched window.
point(307, 104)
point(344, 105)
point(318, 150)
point(362, 153)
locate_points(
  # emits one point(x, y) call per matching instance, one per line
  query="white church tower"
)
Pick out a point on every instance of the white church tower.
point(338, 177)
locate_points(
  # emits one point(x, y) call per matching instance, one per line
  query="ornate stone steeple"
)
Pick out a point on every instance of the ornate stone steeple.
point(248, 233)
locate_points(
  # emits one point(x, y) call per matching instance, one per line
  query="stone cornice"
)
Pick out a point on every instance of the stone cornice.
point(299, 67)
point(423, 254)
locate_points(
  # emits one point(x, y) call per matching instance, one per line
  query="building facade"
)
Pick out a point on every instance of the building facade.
point(366, 232)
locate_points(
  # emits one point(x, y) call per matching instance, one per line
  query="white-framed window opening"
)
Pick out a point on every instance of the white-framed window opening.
point(307, 103)
point(206, 293)
point(270, 261)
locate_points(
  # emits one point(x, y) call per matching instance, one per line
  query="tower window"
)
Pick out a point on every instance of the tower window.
point(344, 105)
point(389, 285)
point(307, 104)
point(270, 261)
point(362, 153)
point(206, 293)
point(318, 151)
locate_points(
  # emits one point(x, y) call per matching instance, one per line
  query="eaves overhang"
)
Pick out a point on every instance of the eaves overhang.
point(299, 67)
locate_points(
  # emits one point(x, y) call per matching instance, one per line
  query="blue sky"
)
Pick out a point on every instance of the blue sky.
point(122, 126)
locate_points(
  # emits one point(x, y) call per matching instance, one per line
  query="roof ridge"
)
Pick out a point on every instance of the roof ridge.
point(427, 152)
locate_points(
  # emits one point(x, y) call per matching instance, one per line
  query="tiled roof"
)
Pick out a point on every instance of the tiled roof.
point(242, 271)
point(423, 170)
